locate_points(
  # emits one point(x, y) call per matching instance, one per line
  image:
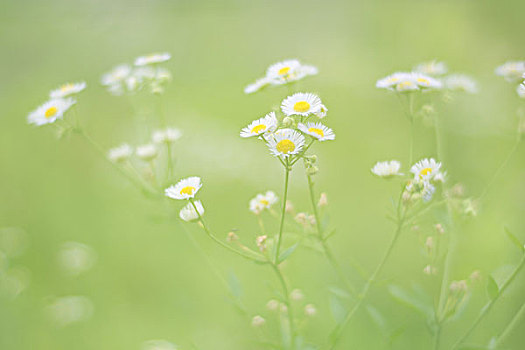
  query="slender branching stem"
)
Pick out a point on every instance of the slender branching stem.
point(490, 304)
point(338, 331)
point(283, 210)
point(510, 326)
point(252, 257)
point(287, 302)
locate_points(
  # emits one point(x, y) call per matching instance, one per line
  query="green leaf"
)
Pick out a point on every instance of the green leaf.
point(341, 293)
point(378, 319)
point(515, 240)
point(284, 255)
point(492, 288)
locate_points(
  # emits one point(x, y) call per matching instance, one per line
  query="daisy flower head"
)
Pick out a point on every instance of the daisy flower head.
point(521, 90)
point(184, 189)
point(263, 201)
point(318, 131)
point(387, 169)
point(426, 169)
point(426, 82)
point(302, 104)
point(188, 213)
point(268, 123)
point(460, 82)
point(285, 142)
point(167, 135)
point(152, 58)
point(50, 111)
point(67, 89)
point(258, 85)
point(419, 189)
point(323, 111)
point(390, 82)
point(431, 68)
point(147, 152)
point(511, 71)
point(120, 154)
point(116, 76)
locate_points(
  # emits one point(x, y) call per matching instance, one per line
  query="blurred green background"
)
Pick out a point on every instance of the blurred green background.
point(149, 281)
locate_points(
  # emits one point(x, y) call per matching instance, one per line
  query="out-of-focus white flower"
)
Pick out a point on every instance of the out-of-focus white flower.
point(323, 111)
point(147, 152)
point(431, 68)
point(120, 154)
point(521, 90)
point(50, 111)
point(184, 189)
point(285, 142)
point(426, 82)
point(272, 305)
point(188, 213)
point(405, 82)
point(426, 169)
point(158, 344)
point(67, 89)
point(263, 201)
point(75, 258)
point(461, 82)
point(167, 135)
point(387, 169)
point(14, 280)
point(297, 295)
point(70, 309)
point(260, 126)
point(310, 310)
point(302, 104)
point(511, 71)
point(258, 321)
point(116, 76)
point(318, 131)
point(281, 73)
point(152, 59)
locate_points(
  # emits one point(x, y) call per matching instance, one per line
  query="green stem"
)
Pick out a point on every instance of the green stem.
point(490, 304)
point(510, 327)
point(437, 337)
point(283, 211)
point(338, 331)
point(254, 257)
point(170, 162)
point(327, 251)
point(286, 296)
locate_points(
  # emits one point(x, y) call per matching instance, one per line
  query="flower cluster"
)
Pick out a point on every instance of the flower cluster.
point(146, 74)
point(186, 189)
point(263, 201)
point(59, 102)
point(514, 72)
point(282, 73)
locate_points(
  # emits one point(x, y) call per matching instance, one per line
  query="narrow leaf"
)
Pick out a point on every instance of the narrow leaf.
point(492, 288)
point(287, 252)
point(515, 240)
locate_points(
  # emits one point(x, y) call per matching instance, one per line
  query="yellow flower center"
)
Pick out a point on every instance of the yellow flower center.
point(423, 80)
point(425, 171)
point(187, 190)
point(258, 128)
point(317, 131)
point(66, 87)
point(301, 106)
point(405, 84)
point(283, 70)
point(285, 146)
point(264, 202)
point(50, 112)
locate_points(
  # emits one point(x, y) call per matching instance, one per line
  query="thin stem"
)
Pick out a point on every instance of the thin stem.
point(288, 304)
point(490, 304)
point(412, 137)
point(327, 251)
point(170, 161)
point(437, 337)
point(255, 257)
point(510, 327)
point(338, 331)
point(501, 167)
point(283, 211)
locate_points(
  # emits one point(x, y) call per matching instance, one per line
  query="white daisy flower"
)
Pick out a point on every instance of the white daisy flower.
point(426, 82)
point(282, 69)
point(417, 189)
point(152, 59)
point(67, 89)
point(521, 90)
point(387, 169)
point(147, 152)
point(167, 135)
point(258, 85)
point(285, 142)
point(50, 111)
point(461, 82)
point(431, 68)
point(120, 154)
point(116, 76)
point(260, 126)
point(184, 189)
point(426, 169)
point(302, 104)
point(392, 80)
point(511, 71)
point(263, 201)
point(323, 111)
point(317, 130)
point(188, 213)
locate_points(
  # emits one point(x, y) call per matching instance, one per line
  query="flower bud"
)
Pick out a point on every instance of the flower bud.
point(323, 200)
point(272, 305)
point(261, 242)
point(439, 229)
point(296, 295)
point(310, 310)
point(258, 321)
point(289, 207)
point(231, 237)
point(288, 122)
